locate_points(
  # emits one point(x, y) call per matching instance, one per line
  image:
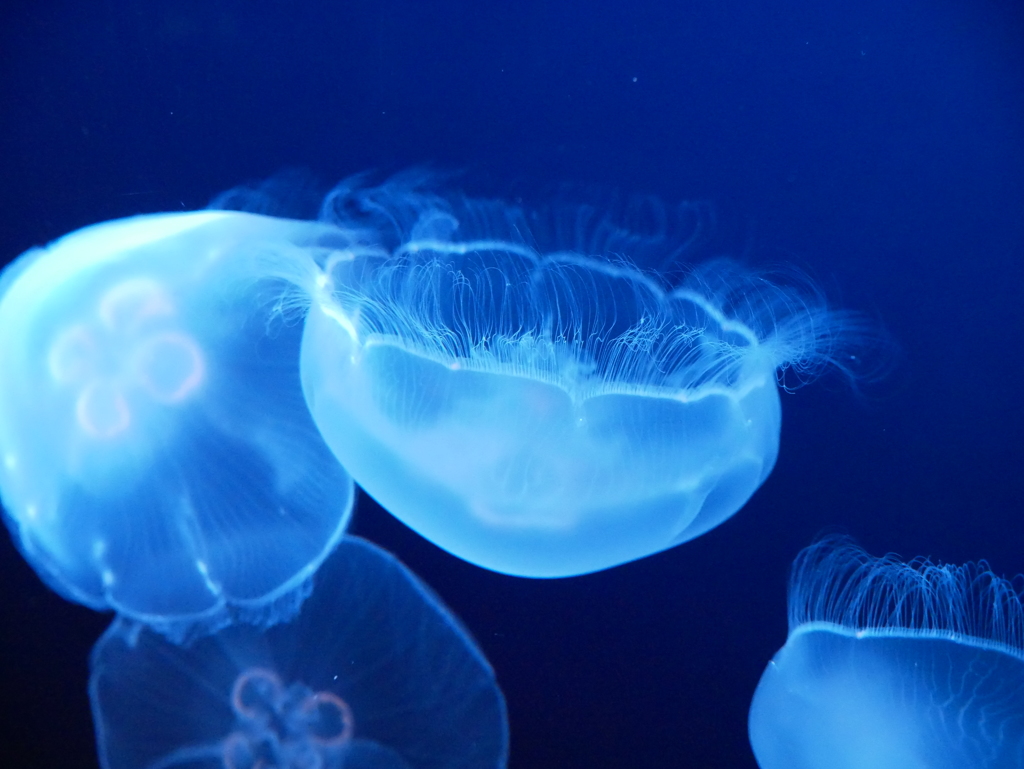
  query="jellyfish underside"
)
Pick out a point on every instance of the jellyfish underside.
point(158, 456)
point(524, 477)
point(545, 415)
point(930, 682)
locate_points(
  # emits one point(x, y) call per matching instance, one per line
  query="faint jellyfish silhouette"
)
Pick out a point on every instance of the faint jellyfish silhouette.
point(158, 455)
point(893, 665)
point(372, 673)
point(548, 414)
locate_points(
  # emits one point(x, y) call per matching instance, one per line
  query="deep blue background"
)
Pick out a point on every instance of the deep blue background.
point(877, 144)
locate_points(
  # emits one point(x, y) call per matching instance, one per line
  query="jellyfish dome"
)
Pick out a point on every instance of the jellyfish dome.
point(373, 673)
point(536, 410)
point(893, 665)
point(157, 454)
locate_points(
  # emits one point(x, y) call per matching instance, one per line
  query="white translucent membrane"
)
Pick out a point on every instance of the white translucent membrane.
point(545, 414)
point(373, 673)
point(157, 454)
point(893, 665)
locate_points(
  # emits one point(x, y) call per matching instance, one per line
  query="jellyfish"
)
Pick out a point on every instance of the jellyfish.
point(547, 410)
point(372, 673)
point(158, 457)
point(893, 665)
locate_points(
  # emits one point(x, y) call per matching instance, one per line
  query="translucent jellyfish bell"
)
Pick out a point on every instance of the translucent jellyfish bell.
point(892, 665)
point(373, 673)
point(157, 454)
point(540, 413)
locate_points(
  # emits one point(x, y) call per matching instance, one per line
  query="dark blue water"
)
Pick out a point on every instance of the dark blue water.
point(878, 145)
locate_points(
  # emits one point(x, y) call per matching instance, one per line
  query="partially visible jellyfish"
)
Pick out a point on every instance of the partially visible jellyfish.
point(547, 413)
point(373, 673)
point(893, 665)
point(157, 454)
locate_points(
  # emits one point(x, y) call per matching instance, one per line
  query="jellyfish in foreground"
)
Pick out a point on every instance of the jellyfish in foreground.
point(892, 665)
point(540, 411)
point(373, 673)
point(157, 454)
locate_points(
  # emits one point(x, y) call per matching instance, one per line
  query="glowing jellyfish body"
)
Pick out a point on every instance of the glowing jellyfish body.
point(158, 456)
point(892, 665)
point(373, 673)
point(541, 414)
